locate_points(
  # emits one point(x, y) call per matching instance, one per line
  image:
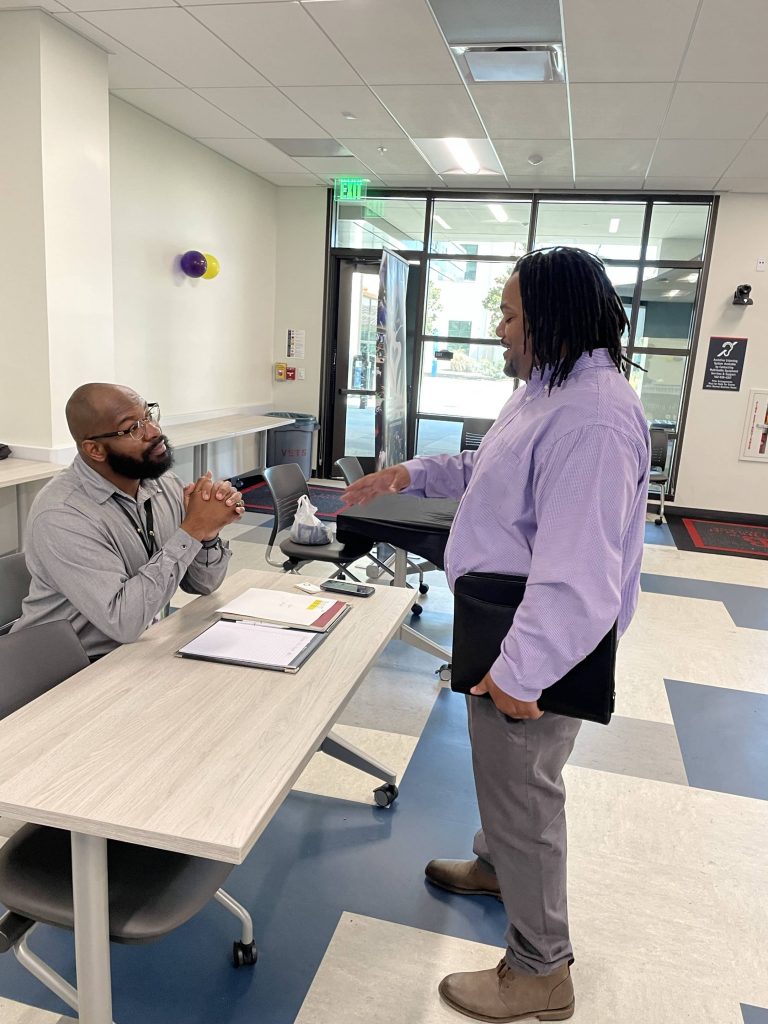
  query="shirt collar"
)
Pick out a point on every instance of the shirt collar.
point(599, 357)
point(100, 490)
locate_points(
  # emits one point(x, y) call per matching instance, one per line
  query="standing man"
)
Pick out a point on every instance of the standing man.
point(557, 493)
point(110, 538)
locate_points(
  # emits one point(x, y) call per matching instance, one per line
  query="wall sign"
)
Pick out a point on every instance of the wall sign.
point(754, 440)
point(725, 364)
point(296, 344)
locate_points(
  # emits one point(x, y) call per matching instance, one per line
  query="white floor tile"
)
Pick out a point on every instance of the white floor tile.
point(19, 1013)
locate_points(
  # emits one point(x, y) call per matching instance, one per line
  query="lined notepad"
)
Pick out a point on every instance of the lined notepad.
point(253, 644)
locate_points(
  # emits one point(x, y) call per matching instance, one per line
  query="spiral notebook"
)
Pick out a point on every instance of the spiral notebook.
point(253, 645)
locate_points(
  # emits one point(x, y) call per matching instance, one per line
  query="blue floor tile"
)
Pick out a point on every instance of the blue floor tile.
point(747, 606)
point(659, 535)
point(722, 737)
point(317, 858)
point(754, 1014)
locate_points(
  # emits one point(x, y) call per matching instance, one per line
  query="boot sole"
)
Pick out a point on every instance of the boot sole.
point(565, 1013)
point(463, 892)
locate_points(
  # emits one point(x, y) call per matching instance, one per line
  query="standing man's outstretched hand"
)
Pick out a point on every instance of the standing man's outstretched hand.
point(386, 481)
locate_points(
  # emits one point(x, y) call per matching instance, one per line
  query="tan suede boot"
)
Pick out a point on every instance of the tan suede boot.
point(501, 994)
point(464, 877)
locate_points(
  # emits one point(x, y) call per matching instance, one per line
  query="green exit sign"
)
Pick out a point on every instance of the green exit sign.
point(346, 190)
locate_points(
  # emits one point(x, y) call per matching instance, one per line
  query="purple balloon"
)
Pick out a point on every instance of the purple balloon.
point(193, 263)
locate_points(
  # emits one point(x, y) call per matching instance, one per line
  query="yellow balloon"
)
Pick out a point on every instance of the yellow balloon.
point(213, 266)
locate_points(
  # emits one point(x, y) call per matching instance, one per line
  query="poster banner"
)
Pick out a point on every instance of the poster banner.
point(391, 388)
point(725, 364)
point(754, 441)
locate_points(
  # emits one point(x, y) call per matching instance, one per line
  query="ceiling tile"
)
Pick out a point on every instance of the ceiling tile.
point(126, 69)
point(612, 184)
point(432, 110)
point(176, 43)
point(328, 104)
point(730, 184)
point(715, 110)
point(116, 5)
point(265, 111)
point(401, 156)
point(530, 182)
point(619, 110)
point(657, 184)
point(514, 155)
point(337, 166)
point(397, 46)
point(597, 158)
point(524, 111)
point(626, 41)
point(468, 182)
point(413, 181)
point(254, 154)
point(762, 130)
point(185, 111)
point(752, 161)
point(681, 158)
point(728, 43)
point(52, 6)
point(281, 40)
point(477, 157)
point(291, 180)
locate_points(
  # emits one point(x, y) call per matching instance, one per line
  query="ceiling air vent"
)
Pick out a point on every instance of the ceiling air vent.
point(511, 62)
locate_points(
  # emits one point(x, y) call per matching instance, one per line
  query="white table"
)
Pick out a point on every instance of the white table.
point(176, 754)
point(18, 473)
point(199, 434)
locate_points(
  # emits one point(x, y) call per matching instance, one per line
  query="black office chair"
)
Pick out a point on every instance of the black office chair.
point(151, 892)
point(472, 433)
point(14, 587)
point(659, 475)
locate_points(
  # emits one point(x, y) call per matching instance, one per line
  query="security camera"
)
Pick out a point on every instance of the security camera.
point(741, 295)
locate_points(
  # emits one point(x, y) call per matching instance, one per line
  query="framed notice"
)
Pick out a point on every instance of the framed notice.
point(754, 441)
point(725, 364)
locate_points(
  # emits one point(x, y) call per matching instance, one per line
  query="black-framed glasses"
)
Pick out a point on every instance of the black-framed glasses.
point(137, 430)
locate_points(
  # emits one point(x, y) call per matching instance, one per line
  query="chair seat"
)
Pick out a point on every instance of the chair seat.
point(333, 552)
point(658, 477)
point(151, 892)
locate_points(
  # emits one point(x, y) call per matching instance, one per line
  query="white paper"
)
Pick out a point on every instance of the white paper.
point(250, 642)
point(275, 606)
point(296, 344)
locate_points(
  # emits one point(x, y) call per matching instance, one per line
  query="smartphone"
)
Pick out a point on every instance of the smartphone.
point(342, 587)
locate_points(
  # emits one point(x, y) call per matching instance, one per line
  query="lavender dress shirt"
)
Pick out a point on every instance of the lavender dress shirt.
point(556, 492)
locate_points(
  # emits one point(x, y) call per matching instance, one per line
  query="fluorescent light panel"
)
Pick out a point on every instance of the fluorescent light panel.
point(461, 151)
point(498, 212)
point(613, 227)
point(441, 222)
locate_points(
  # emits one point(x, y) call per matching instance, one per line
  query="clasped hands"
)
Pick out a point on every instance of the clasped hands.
point(209, 505)
point(507, 705)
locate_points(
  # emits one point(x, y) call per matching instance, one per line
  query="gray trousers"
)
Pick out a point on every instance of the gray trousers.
point(520, 791)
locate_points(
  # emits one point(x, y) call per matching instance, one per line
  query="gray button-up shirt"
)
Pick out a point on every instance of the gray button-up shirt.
point(90, 566)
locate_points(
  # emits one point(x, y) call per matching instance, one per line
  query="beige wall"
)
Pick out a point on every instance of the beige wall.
point(711, 475)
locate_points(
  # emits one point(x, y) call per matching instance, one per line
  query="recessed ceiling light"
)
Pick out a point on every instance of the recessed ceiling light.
point(673, 292)
point(382, 149)
point(690, 278)
point(461, 151)
point(613, 227)
point(498, 212)
point(348, 116)
point(441, 222)
point(535, 159)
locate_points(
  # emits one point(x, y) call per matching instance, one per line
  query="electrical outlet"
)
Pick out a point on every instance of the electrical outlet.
point(302, 373)
point(760, 265)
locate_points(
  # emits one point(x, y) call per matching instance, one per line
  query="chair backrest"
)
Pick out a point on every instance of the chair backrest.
point(286, 485)
point(659, 447)
point(36, 659)
point(350, 468)
point(14, 587)
point(472, 433)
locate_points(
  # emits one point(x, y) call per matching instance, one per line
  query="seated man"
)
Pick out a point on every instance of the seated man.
point(112, 536)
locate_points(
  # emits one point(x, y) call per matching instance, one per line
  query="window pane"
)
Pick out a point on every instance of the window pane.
point(455, 298)
point(667, 303)
point(487, 228)
point(374, 223)
point(660, 388)
point(609, 230)
point(471, 384)
point(359, 437)
point(677, 231)
point(437, 437)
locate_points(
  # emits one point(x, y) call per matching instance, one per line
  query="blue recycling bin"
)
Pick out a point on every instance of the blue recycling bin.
point(292, 442)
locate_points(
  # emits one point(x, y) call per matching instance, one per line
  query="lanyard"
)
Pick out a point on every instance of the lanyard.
point(148, 538)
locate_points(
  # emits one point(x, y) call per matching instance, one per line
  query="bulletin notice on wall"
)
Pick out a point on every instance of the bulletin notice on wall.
point(725, 364)
point(295, 345)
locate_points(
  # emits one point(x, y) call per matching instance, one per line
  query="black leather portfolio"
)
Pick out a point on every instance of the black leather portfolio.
point(484, 607)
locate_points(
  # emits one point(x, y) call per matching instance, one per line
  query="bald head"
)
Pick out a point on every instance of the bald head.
point(99, 408)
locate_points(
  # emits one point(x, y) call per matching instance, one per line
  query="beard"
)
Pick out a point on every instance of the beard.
point(509, 368)
point(145, 468)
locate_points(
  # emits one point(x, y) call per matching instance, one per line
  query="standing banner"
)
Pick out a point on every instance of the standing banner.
point(391, 388)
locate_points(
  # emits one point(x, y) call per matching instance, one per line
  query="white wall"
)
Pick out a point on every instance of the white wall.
point(193, 345)
point(711, 475)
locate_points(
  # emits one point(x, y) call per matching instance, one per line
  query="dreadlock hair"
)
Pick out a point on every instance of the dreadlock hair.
point(569, 307)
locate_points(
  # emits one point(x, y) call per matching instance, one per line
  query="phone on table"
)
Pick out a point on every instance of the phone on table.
point(343, 587)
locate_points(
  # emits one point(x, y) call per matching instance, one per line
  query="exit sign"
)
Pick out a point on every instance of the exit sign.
point(346, 190)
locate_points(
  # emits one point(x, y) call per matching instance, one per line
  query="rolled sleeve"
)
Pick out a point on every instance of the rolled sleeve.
point(584, 491)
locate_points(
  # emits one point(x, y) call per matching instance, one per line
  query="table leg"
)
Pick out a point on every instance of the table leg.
point(24, 498)
point(203, 459)
point(261, 449)
point(196, 462)
point(91, 905)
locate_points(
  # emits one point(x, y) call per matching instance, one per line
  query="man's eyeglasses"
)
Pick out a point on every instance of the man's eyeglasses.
point(137, 430)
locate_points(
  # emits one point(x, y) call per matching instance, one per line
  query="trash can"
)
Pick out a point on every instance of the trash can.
point(293, 441)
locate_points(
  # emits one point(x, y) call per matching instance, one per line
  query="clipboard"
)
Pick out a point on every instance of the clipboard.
point(484, 610)
point(253, 645)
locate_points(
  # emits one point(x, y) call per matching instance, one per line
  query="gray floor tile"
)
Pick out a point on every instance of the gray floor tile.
point(630, 746)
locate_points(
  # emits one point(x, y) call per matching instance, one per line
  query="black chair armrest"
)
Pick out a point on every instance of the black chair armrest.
point(12, 927)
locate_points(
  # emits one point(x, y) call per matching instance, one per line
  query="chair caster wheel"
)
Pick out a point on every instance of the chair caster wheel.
point(423, 588)
point(416, 609)
point(658, 522)
point(444, 673)
point(386, 795)
point(244, 954)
